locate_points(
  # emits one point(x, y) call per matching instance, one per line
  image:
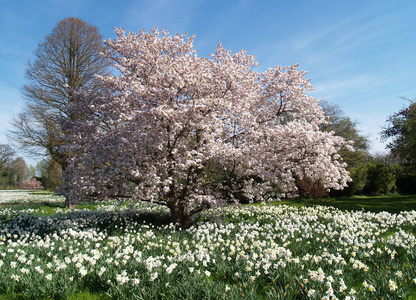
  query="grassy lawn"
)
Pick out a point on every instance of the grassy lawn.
point(392, 204)
point(46, 202)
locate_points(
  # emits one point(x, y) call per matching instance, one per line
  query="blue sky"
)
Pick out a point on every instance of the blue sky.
point(360, 55)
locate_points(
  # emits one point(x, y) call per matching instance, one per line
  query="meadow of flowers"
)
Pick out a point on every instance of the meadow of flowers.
point(251, 252)
point(24, 196)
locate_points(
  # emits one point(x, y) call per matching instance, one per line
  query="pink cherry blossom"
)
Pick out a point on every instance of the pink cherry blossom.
point(31, 184)
point(191, 132)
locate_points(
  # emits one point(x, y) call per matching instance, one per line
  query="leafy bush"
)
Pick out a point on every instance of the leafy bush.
point(381, 178)
point(406, 184)
point(359, 180)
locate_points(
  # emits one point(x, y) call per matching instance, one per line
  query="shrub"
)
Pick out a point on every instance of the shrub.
point(381, 178)
point(31, 184)
point(406, 184)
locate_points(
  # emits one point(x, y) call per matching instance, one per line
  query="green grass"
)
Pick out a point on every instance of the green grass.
point(392, 204)
point(48, 207)
point(84, 295)
point(41, 192)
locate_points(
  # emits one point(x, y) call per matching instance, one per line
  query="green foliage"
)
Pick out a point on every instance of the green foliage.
point(49, 173)
point(406, 183)
point(85, 295)
point(381, 178)
point(359, 180)
point(376, 176)
point(370, 175)
point(356, 160)
point(343, 126)
point(13, 173)
point(401, 131)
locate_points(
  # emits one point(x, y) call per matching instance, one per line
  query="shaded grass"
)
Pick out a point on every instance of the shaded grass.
point(83, 295)
point(48, 208)
point(42, 192)
point(391, 204)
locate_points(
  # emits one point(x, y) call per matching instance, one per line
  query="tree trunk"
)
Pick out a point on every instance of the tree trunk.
point(69, 204)
point(178, 216)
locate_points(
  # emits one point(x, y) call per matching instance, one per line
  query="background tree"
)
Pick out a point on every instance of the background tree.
point(49, 173)
point(66, 60)
point(32, 171)
point(356, 160)
point(40, 168)
point(19, 171)
point(14, 172)
point(381, 173)
point(343, 126)
point(156, 131)
point(51, 178)
point(400, 131)
point(6, 155)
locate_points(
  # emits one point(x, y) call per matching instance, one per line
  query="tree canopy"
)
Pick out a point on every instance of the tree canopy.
point(191, 132)
point(6, 155)
point(66, 59)
point(401, 133)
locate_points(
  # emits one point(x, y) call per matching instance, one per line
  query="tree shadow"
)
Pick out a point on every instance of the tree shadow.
point(392, 204)
point(112, 222)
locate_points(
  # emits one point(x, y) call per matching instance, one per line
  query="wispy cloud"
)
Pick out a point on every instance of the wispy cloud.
point(341, 86)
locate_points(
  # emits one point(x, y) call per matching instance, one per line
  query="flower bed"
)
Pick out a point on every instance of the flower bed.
point(268, 252)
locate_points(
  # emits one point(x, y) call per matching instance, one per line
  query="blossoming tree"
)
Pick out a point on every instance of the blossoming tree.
point(191, 132)
point(31, 184)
